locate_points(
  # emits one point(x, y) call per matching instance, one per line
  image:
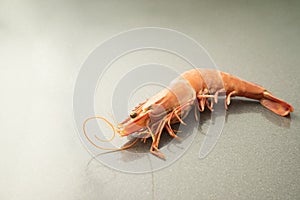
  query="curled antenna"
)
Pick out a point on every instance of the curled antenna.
point(108, 140)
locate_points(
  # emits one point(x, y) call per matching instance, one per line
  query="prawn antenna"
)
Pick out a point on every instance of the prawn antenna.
point(108, 140)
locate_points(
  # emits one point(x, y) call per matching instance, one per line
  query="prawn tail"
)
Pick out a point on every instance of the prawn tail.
point(238, 87)
point(276, 105)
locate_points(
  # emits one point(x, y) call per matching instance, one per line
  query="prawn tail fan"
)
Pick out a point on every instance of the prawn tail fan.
point(276, 105)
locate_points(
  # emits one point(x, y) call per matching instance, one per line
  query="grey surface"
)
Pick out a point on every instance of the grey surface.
point(42, 46)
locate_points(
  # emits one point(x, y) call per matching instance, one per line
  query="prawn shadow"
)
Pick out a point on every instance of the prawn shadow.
point(238, 106)
point(141, 149)
point(242, 105)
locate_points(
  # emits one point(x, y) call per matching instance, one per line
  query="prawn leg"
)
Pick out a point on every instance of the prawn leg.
point(154, 147)
point(203, 100)
point(165, 123)
point(171, 131)
point(227, 100)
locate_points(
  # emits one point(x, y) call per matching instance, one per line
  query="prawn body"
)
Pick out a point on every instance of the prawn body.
point(198, 88)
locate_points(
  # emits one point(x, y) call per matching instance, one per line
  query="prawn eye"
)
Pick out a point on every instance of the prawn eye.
point(133, 115)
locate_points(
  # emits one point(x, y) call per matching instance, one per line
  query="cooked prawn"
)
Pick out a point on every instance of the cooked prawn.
point(199, 88)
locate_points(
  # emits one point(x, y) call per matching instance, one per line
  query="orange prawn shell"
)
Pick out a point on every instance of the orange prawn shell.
point(178, 93)
point(198, 83)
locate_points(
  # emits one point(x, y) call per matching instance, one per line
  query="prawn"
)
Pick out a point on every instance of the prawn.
point(198, 88)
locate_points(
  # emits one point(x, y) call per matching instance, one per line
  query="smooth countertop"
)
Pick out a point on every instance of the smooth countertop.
point(43, 45)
